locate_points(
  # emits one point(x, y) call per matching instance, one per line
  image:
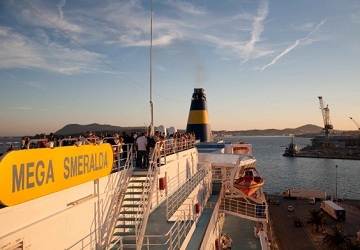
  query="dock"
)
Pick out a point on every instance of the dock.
point(288, 236)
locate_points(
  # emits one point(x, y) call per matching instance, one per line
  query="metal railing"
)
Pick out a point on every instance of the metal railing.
point(175, 183)
point(87, 242)
point(174, 145)
point(171, 240)
point(111, 205)
point(213, 221)
point(244, 209)
point(174, 238)
point(122, 154)
point(114, 207)
point(174, 201)
point(143, 212)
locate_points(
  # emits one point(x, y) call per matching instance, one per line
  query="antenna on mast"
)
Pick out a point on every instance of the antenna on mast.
point(151, 101)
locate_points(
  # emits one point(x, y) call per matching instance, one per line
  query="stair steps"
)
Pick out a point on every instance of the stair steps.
point(131, 211)
point(125, 226)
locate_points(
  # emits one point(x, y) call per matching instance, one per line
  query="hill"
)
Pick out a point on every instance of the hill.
point(308, 129)
point(76, 129)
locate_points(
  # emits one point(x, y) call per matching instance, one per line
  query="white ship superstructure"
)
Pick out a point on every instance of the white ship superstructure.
point(180, 202)
point(90, 195)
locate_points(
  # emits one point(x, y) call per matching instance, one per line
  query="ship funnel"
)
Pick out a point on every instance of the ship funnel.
point(198, 116)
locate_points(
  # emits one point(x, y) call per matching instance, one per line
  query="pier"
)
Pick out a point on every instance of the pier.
point(288, 236)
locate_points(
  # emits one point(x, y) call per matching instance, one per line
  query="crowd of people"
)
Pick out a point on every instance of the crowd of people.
point(144, 144)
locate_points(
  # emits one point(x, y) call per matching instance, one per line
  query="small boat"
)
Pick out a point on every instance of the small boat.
point(292, 149)
point(249, 182)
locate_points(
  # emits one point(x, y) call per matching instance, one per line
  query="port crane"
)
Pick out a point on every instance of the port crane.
point(355, 122)
point(326, 116)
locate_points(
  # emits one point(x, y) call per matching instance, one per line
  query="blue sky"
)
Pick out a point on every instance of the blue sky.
point(263, 63)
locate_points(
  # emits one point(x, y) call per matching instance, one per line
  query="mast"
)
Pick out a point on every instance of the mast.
point(151, 101)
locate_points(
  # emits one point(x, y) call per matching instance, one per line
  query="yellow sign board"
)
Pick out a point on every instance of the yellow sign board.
point(29, 174)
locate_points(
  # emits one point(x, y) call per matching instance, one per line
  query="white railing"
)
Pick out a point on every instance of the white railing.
point(171, 240)
point(111, 205)
point(217, 174)
point(213, 221)
point(87, 242)
point(174, 145)
point(174, 183)
point(174, 238)
point(174, 201)
point(143, 211)
point(115, 205)
point(244, 209)
point(121, 156)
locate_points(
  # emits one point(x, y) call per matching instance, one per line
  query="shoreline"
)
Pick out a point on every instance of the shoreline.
point(325, 157)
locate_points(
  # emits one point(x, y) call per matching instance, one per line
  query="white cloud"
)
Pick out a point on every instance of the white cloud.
point(17, 51)
point(41, 16)
point(126, 24)
point(186, 7)
point(257, 27)
point(210, 30)
point(133, 41)
point(303, 41)
point(240, 49)
point(283, 53)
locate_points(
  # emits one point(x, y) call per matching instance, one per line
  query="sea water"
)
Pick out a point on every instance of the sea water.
point(281, 173)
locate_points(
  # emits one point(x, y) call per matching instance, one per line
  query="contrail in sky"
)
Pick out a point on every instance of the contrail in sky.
point(302, 41)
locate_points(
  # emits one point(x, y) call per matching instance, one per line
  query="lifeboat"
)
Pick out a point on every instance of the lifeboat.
point(249, 182)
point(242, 149)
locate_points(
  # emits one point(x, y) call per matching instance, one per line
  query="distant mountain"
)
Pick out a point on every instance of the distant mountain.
point(76, 129)
point(308, 129)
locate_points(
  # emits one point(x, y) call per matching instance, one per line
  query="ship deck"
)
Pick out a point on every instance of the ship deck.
point(158, 225)
point(202, 224)
point(241, 231)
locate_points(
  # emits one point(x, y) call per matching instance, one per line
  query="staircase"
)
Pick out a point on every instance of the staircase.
point(115, 199)
point(131, 222)
point(243, 208)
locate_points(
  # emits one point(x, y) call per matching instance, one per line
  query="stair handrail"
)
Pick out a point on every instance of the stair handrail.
point(143, 210)
point(174, 201)
point(118, 197)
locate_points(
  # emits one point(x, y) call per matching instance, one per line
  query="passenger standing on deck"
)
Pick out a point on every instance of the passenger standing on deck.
point(25, 143)
point(51, 141)
point(152, 140)
point(141, 144)
point(118, 148)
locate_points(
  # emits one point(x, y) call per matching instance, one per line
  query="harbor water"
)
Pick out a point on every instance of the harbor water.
point(6, 142)
point(281, 173)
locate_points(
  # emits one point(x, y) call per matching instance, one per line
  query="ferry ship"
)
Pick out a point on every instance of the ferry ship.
point(93, 197)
